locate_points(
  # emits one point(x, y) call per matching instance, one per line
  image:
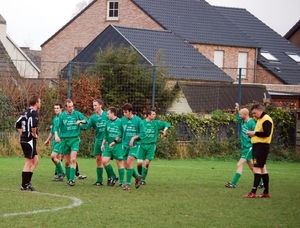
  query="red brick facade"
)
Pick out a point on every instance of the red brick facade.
point(78, 33)
point(295, 39)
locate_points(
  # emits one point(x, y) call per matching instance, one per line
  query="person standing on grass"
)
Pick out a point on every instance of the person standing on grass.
point(112, 147)
point(67, 132)
point(133, 133)
point(27, 126)
point(261, 138)
point(148, 143)
point(247, 124)
point(98, 122)
point(56, 155)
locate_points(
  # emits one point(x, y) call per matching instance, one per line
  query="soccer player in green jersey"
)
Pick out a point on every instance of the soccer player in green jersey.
point(133, 132)
point(247, 124)
point(56, 155)
point(112, 147)
point(67, 133)
point(98, 122)
point(148, 144)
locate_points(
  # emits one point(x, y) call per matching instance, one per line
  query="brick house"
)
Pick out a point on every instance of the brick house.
point(231, 38)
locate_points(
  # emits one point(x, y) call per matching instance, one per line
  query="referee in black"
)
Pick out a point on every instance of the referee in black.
point(260, 138)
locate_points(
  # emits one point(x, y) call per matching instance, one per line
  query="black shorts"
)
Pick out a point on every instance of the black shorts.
point(260, 153)
point(29, 148)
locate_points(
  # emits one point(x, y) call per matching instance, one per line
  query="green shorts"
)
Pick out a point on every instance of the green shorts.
point(56, 147)
point(147, 151)
point(116, 152)
point(131, 151)
point(247, 153)
point(97, 147)
point(70, 144)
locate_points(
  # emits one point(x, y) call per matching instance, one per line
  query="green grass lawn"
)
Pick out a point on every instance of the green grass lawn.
point(179, 193)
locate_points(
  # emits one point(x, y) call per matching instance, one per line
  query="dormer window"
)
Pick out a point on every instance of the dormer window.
point(112, 10)
point(267, 55)
point(294, 56)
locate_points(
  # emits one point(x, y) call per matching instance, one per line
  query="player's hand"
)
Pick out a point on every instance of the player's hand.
point(112, 144)
point(46, 143)
point(57, 139)
point(131, 142)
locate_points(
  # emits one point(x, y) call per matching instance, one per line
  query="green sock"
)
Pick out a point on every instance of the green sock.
point(236, 178)
point(68, 173)
point(72, 174)
point(140, 169)
point(121, 175)
point(99, 172)
point(144, 173)
point(59, 168)
point(261, 182)
point(135, 174)
point(110, 172)
point(129, 174)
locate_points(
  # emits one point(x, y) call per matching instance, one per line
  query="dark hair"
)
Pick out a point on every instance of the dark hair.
point(149, 111)
point(257, 106)
point(33, 100)
point(112, 110)
point(127, 107)
point(58, 104)
point(100, 102)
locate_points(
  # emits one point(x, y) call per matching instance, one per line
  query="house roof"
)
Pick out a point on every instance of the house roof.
point(182, 60)
point(286, 69)
point(196, 21)
point(208, 97)
point(292, 31)
point(7, 67)
point(33, 55)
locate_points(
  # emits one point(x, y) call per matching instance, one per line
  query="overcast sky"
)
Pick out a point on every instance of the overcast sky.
point(32, 22)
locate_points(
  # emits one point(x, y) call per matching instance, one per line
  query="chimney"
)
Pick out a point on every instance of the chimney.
point(2, 30)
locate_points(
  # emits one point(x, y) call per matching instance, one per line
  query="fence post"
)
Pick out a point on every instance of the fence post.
point(69, 79)
point(239, 97)
point(153, 86)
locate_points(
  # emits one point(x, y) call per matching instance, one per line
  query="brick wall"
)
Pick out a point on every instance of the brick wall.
point(230, 59)
point(264, 77)
point(295, 39)
point(80, 32)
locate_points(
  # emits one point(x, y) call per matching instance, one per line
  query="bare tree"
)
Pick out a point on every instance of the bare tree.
point(80, 6)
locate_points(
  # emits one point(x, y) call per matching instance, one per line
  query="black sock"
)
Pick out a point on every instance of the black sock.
point(30, 176)
point(25, 178)
point(77, 170)
point(265, 178)
point(257, 177)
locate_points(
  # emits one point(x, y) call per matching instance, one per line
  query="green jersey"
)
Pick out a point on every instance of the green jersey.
point(152, 130)
point(66, 124)
point(245, 126)
point(98, 122)
point(113, 130)
point(132, 127)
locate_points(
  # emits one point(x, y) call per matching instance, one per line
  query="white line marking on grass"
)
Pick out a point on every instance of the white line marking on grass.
point(76, 202)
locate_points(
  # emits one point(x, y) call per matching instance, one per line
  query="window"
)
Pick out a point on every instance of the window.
point(78, 50)
point(112, 10)
point(294, 56)
point(242, 63)
point(267, 55)
point(218, 58)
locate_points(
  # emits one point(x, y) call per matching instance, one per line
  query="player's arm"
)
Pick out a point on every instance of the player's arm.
point(34, 132)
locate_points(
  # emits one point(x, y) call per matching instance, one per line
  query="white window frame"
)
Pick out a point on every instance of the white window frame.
point(78, 50)
point(268, 56)
point(219, 58)
point(109, 10)
point(293, 56)
point(242, 63)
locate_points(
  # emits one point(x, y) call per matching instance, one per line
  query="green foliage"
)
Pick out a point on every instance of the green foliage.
point(6, 110)
point(125, 80)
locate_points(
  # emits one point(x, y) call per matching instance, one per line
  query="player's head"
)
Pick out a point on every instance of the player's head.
point(69, 106)
point(57, 108)
point(97, 105)
point(127, 110)
point(244, 113)
point(151, 114)
point(35, 102)
point(257, 110)
point(111, 113)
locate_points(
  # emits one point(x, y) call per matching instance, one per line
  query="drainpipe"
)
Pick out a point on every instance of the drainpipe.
point(255, 64)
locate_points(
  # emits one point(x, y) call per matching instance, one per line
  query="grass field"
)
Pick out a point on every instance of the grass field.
point(179, 193)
